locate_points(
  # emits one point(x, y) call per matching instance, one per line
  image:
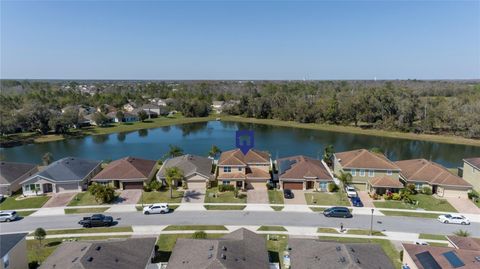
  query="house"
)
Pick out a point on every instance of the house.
point(423, 173)
point(247, 171)
point(11, 174)
point(364, 165)
point(471, 172)
point(302, 173)
point(90, 118)
point(69, 174)
point(127, 117)
point(217, 106)
point(432, 257)
point(106, 109)
point(129, 107)
point(125, 253)
point(127, 173)
point(197, 170)
point(460, 242)
point(241, 249)
point(312, 253)
point(156, 109)
point(158, 101)
point(13, 251)
point(384, 184)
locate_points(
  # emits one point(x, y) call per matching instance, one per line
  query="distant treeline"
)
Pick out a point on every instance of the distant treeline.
point(436, 107)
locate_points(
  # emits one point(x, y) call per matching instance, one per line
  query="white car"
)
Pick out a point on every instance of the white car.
point(453, 218)
point(351, 192)
point(156, 209)
point(8, 216)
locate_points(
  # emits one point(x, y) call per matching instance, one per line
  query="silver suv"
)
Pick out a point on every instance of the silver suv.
point(8, 216)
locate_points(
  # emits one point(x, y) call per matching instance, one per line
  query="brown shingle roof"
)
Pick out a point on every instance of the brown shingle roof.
point(232, 176)
point(464, 242)
point(421, 170)
point(256, 173)
point(236, 157)
point(467, 256)
point(301, 167)
point(385, 182)
point(473, 161)
point(363, 158)
point(127, 168)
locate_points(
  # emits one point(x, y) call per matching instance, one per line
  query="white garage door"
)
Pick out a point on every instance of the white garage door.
point(67, 187)
point(197, 185)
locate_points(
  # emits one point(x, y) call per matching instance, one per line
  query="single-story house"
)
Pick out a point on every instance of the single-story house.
point(381, 185)
point(125, 253)
point(312, 253)
point(425, 173)
point(158, 110)
point(364, 165)
point(302, 173)
point(127, 117)
point(239, 249)
point(69, 174)
point(13, 251)
point(461, 242)
point(12, 174)
point(217, 106)
point(127, 173)
point(247, 171)
point(433, 257)
point(471, 172)
point(130, 106)
point(197, 170)
point(106, 108)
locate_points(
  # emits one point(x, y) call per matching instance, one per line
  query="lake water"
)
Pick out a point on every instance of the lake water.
point(197, 138)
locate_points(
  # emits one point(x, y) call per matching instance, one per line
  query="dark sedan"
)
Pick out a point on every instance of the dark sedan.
point(288, 194)
point(337, 212)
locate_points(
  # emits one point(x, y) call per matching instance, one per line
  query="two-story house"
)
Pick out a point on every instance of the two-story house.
point(366, 166)
point(471, 172)
point(246, 171)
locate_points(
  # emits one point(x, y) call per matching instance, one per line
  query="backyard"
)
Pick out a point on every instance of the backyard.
point(27, 202)
point(325, 198)
point(426, 202)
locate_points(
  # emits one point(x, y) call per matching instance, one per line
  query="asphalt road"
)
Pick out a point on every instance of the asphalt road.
point(383, 223)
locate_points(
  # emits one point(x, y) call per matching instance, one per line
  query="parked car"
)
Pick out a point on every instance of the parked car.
point(337, 212)
point(288, 194)
point(8, 216)
point(356, 201)
point(421, 242)
point(96, 220)
point(351, 192)
point(453, 218)
point(156, 209)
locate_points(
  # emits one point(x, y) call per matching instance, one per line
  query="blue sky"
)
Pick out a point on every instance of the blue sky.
point(240, 40)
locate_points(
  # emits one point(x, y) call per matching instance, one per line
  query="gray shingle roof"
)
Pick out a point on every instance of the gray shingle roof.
point(10, 171)
point(189, 164)
point(68, 169)
point(8, 241)
point(308, 253)
point(241, 249)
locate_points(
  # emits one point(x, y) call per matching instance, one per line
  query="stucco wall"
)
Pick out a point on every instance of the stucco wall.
point(408, 260)
point(471, 175)
point(17, 256)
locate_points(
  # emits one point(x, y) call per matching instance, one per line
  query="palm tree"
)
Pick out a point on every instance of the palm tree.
point(328, 154)
point(345, 178)
point(214, 151)
point(47, 158)
point(172, 176)
point(174, 151)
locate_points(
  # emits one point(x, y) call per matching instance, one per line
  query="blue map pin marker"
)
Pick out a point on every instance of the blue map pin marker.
point(244, 140)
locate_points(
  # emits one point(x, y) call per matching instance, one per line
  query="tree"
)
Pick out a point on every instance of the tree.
point(214, 151)
point(47, 158)
point(376, 150)
point(328, 155)
point(101, 193)
point(345, 178)
point(120, 115)
point(39, 234)
point(173, 175)
point(462, 233)
point(100, 119)
point(174, 151)
point(142, 115)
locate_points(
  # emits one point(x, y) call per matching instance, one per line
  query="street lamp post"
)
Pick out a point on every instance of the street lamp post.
point(371, 223)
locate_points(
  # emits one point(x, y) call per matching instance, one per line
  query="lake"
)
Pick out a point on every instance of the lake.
point(197, 138)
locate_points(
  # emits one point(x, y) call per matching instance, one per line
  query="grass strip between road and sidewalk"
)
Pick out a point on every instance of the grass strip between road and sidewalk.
point(85, 210)
point(432, 236)
point(327, 230)
point(127, 229)
point(410, 214)
point(272, 228)
point(364, 232)
point(275, 197)
point(277, 208)
point(224, 207)
point(195, 228)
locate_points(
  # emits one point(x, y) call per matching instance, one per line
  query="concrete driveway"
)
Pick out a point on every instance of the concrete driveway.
point(195, 193)
point(463, 205)
point(366, 199)
point(128, 197)
point(60, 199)
point(299, 198)
point(257, 197)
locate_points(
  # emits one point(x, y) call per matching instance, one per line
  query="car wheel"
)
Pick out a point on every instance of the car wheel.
point(8, 220)
point(446, 222)
point(162, 212)
point(147, 213)
point(464, 223)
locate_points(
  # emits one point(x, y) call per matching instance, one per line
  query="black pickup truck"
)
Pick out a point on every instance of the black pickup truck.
point(96, 220)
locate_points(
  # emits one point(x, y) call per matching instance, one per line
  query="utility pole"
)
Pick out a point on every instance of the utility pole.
point(371, 223)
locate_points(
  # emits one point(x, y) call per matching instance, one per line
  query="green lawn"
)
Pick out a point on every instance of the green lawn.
point(85, 210)
point(426, 202)
point(276, 244)
point(325, 198)
point(364, 232)
point(90, 230)
point(317, 209)
point(83, 198)
point(386, 245)
point(27, 202)
point(277, 208)
point(327, 230)
point(275, 197)
point(25, 213)
point(272, 228)
point(409, 214)
point(166, 242)
point(224, 207)
point(162, 196)
point(432, 236)
point(194, 227)
point(435, 244)
point(224, 197)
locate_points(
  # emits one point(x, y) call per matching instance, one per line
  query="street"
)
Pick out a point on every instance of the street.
point(381, 223)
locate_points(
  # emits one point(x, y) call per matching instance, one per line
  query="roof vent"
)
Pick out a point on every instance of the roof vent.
point(224, 248)
point(210, 255)
point(342, 259)
point(358, 261)
point(84, 248)
point(352, 250)
point(90, 259)
point(98, 248)
point(338, 248)
point(211, 247)
point(116, 259)
point(477, 258)
point(224, 256)
point(74, 260)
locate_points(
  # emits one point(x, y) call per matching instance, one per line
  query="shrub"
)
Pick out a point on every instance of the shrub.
point(332, 187)
point(396, 196)
point(235, 193)
point(427, 190)
point(223, 188)
point(147, 188)
point(473, 194)
point(155, 185)
point(462, 233)
point(387, 196)
point(199, 235)
point(401, 255)
point(212, 184)
point(411, 189)
point(185, 185)
point(270, 186)
point(39, 234)
point(102, 193)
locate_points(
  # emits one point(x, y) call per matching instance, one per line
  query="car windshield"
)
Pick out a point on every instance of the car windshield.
point(448, 216)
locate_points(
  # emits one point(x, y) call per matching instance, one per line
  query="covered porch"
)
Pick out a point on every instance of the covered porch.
point(382, 185)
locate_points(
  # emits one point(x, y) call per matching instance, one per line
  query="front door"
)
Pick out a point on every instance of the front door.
point(434, 189)
point(47, 187)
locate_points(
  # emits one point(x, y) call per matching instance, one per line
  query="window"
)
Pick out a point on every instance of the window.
point(389, 172)
point(32, 187)
point(240, 169)
point(354, 172)
point(227, 169)
point(362, 172)
point(6, 261)
point(371, 173)
point(323, 186)
point(418, 186)
point(226, 182)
